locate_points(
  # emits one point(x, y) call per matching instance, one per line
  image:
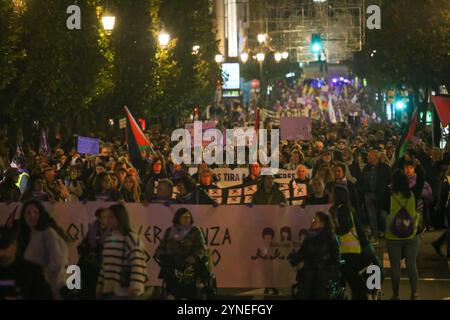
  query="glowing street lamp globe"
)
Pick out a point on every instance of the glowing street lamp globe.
point(260, 57)
point(108, 21)
point(278, 56)
point(244, 57)
point(164, 39)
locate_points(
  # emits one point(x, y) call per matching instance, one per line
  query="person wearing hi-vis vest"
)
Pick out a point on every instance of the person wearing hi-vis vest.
point(402, 239)
point(349, 242)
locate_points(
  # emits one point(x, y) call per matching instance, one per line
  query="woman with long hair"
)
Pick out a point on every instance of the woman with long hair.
point(123, 271)
point(103, 190)
point(402, 239)
point(43, 242)
point(181, 256)
point(320, 254)
point(131, 191)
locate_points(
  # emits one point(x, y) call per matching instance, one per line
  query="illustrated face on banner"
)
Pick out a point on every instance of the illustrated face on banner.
point(285, 234)
point(268, 236)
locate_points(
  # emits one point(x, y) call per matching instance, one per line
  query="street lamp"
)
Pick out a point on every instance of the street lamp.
point(260, 57)
point(164, 39)
point(285, 55)
point(261, 38)
point(219, 58)
point(278, 56)
point(195, 49)
point(108, 21)
point(244, 57)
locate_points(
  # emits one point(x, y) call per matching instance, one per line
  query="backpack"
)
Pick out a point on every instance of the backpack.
point(402, 225)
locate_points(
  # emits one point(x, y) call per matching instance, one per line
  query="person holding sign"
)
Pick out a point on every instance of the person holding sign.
point(206, 180)
point(268, 193)
point(190, 193)
point(254, 176)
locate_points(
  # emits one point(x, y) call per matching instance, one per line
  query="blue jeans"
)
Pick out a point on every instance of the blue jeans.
point(408, 249)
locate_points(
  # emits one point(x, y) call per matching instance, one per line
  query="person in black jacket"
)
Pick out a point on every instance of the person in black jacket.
point(268, 193)
point(20, 279)
point(254, 176)
point(190, 193)
point(340, 179)
point(157, 171)
point(375, 184)
point(320, 254)
point(443, 205)
point(9, 192)
point(90, 253)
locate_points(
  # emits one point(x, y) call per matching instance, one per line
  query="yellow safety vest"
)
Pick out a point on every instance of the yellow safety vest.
point(349, 243)
point(448, 180)
point(23, 174)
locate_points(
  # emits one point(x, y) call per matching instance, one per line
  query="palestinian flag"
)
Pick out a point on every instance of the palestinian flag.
point(136, 140)
point(409, 137)
point(442, 104)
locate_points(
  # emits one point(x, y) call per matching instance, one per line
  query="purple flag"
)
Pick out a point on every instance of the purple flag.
point(295, 129)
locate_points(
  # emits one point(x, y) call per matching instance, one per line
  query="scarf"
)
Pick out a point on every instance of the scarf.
point(178, 232)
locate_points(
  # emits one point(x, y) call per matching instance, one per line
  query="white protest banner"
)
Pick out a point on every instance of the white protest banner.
point(245, 244)
point(284, 176)
point(227, 177)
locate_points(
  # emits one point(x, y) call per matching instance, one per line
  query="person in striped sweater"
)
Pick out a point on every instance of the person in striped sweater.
point(123, 271)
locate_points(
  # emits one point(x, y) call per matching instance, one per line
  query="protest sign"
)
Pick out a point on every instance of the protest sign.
point(88, 145)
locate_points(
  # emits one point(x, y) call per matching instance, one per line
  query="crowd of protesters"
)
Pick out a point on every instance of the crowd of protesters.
point(354, 169)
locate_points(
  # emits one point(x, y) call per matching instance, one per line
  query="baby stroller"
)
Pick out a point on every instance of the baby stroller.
point(194, 282)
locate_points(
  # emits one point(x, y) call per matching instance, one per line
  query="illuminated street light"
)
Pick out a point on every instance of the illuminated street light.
point(244, 57)
point(195, 49)
point(108, 21)
point(164, 39)
point(219, 58)
point(278, 56)
point(285, 55)
point(260, 57)
point(261, 38)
